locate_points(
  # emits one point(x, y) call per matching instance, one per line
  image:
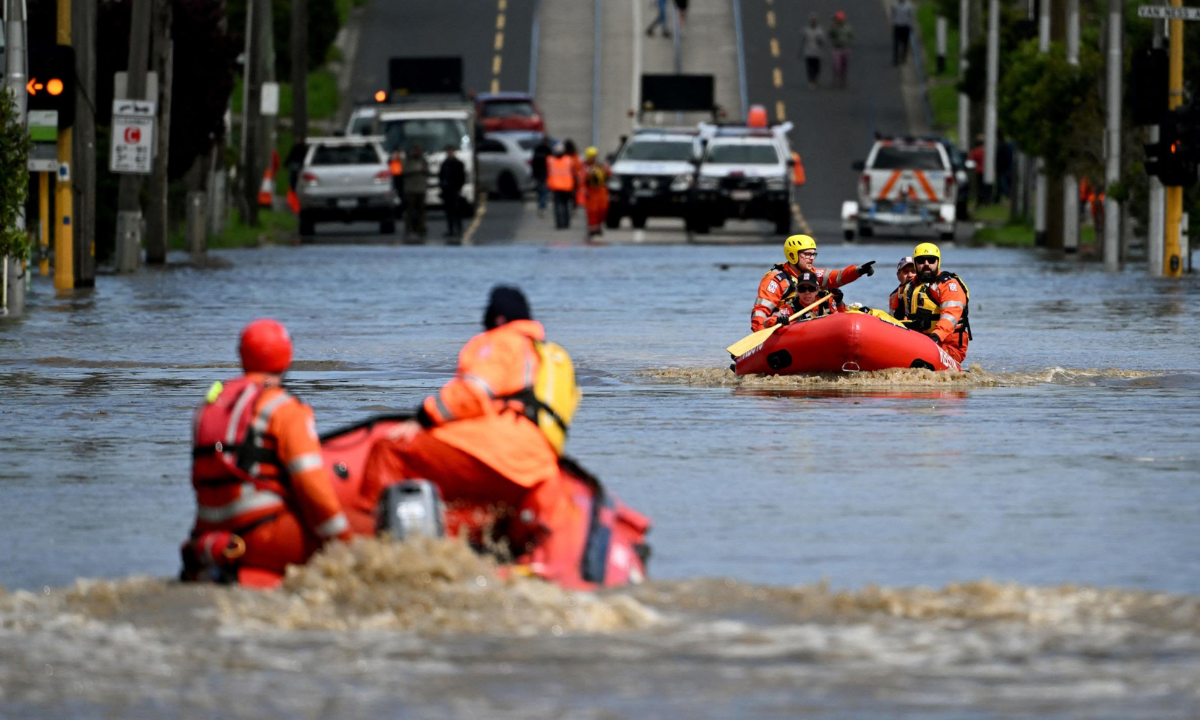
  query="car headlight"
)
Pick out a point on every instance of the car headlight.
point(614, 182)
point(776, 183)
point(708, 183)
point(681, 183)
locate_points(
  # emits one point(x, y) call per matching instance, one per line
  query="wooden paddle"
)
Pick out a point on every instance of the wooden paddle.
point(748, 343)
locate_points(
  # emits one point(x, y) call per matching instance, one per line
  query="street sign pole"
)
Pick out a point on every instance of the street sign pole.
point(1172, 265)
point(64, 200)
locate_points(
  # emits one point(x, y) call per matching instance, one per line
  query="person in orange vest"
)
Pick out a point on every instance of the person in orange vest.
point(776, 299)
point(595, 187)
point(396, 168)
point(938, 303)
point(560, 180)
point(264, 499)
point(474, 439)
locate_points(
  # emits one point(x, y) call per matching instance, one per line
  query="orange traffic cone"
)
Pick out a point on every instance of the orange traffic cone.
point(266, 191)
point(293, 201)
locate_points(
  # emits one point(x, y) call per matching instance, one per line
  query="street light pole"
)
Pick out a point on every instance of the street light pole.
point(1070, 184)
point(1043, 186)
point(1112, 167)
point(964, 101)
point(993, 77)
point(12, 275)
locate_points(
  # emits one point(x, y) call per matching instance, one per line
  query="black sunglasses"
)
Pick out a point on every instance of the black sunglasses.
point(806, 288)
point(928, 260)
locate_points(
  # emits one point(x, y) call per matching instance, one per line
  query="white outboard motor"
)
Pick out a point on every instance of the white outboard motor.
point(413, 507)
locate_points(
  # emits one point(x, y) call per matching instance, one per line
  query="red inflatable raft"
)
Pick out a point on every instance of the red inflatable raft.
point(843, 342)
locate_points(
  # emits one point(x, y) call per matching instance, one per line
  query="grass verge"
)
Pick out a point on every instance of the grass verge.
point(274, 228)
point(322, 96)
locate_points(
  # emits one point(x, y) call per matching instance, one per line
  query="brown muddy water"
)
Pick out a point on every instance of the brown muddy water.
point(1019, 540)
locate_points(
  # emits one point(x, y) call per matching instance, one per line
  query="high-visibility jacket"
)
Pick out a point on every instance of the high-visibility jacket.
point(778, 287)
point(798, 177)
point(472, 412)
point(896, 302)
point(939, 309)
point(396, 166)
point(263, 478)
point(560, 176)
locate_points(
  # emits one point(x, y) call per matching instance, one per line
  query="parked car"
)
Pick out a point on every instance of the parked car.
point(498, 112)
point(346, 179)
point(505, 163)
point(906, 183)
point(652, 176)
point(361, 122)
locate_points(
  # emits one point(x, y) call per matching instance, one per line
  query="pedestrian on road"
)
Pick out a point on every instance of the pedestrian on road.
point(660, 21)
point(681, 8)
point(560, 179)
point(538, 166)
point(595, 189)
point(840, 38)
point(572, 153)
point(812, 47)
point(902, 20)
point(451, 178)
point(416, 182)
point(396, 168)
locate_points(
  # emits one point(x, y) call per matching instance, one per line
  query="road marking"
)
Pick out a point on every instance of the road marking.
point(495, 85)
point(770, 18)
point(774, 47)
point(470, 233)
point(780, 115)
point(500, 21)
point(496, 65)
point(804, 226)
point(778, 76)
point(499, 41)
point(502, 5)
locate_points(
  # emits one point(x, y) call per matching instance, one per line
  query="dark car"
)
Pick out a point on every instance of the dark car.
point(505, 111)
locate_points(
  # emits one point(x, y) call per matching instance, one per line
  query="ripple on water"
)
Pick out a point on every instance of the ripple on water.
point(893, 378)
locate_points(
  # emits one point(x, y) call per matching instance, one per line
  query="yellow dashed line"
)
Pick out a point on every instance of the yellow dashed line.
point(774, 47)
point(770, 2)
point(495, 85)
point(500, 21)
point(496, 65)
point(777, 74)
point(502, 5)
point(780, 115)
point(804, 226)
point(770, 18)
point(479, 211)
point(499, 41)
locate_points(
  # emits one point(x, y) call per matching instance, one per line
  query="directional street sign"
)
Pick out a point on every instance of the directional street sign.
point(1166, 12)
point(132, 136)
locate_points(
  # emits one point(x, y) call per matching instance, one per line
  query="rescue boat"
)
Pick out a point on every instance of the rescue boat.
point(849, 341)
point(606, 548)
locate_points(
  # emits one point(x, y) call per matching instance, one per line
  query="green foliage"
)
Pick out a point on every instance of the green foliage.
point(323, 24)
point(14, 177)
point(1053, 109)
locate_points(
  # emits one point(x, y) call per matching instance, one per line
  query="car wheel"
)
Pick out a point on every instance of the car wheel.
point(612, 220)
point(849, 235)
point(865, 231)
point(507, 185)
point(388, 227)
point(639, 221)
point(306, 225)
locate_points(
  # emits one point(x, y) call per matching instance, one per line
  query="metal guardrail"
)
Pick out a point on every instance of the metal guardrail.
point(741, 57)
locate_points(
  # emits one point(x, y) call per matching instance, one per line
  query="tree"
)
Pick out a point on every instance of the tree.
point(14, 177)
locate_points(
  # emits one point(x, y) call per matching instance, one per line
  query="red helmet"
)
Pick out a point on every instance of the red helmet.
point(757, 117)
point(840, 16)
point(265, 347)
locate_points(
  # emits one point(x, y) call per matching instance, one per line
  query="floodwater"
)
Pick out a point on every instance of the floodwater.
point(1016, 541)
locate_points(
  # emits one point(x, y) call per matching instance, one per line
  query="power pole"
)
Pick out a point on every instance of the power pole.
point(1157, 199)
point(83, 19)
point(129, 206)
point(156, 215)
point(1039, 211)
point(1070, 183)
point(1112, 166)
point(993, 78)
point(64, 198)
point(299, 71)
point(964, 101)
point(258, 26)
point(1172, 263)
point(12, 277)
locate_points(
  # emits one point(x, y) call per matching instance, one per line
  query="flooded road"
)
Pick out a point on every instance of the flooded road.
point(1051, 495)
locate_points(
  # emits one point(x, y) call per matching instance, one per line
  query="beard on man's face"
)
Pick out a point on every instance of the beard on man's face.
point(927, 272)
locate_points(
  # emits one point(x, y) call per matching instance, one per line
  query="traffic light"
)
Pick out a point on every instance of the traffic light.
point(51, 83)
point(1174, 158)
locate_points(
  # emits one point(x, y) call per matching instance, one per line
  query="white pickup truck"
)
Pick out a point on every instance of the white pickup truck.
point(904, 184)
point(434, 126)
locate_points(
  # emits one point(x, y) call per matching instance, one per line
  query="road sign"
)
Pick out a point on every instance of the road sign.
point(1165, 12)
point(43, 130)
point(269, 104)
point(132, 136)
point(51, 84)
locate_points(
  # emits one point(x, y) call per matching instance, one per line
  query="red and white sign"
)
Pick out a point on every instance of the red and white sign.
point(132, 136)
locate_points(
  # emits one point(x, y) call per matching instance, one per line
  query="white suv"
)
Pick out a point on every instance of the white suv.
point(746, 173)
point(904, 184)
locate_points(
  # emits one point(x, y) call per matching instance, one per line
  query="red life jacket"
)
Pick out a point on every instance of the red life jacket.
point(237, 476)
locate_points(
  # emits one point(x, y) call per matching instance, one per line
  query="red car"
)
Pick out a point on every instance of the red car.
point(508, 111)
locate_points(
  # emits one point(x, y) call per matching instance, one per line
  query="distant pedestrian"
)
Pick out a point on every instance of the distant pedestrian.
point(452, 175)
point(560, 179)
point(416, 183)
point(538, 167)
point(812, 47)
point(902, 20)
point(681, 8)
point(841, 36)
point(572, 152)
point(396, 168)
point(976, 155)
point(660, 21)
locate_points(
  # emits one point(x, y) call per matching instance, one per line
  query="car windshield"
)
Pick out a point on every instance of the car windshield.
point(743, 154)
point(661, 150)
point(907, 157)
point(345, 155)
point(434, 134)
point(508, 108)
point(362, 125)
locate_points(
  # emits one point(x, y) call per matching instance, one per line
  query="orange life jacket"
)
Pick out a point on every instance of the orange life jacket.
point(395, 166)
point(559, 174)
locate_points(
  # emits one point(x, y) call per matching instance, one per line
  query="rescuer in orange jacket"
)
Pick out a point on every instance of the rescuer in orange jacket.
point(937, 303)
point(595, 190)
point(560, 181)
point(264, 499)
point(807, 292)
point(905, 272)
point(776, 291)
point(474, 441)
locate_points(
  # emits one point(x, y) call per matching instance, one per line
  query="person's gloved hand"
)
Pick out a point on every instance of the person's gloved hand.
point(866, 269)
point(779, 318)
point(935, 338)
point(838, 296)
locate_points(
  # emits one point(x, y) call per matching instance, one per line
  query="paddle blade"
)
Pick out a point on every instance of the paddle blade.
point(748, 343)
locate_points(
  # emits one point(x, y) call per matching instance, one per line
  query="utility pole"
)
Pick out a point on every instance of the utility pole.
point(299, 71)
point(1069, 183)
point(12, 275)
point(64, 198)
point(156, 213)
point(83, 19)
point(1157, 199)
point(129, 206)
point(258, 24)
point(964, 101)
point(993, 78)
point(1040, 201)
point(1112, 166)
point(1172, 263)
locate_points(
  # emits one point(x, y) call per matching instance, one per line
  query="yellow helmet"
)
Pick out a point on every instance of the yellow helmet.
point(926, 250)
point(590, 153)
point(793, 245)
